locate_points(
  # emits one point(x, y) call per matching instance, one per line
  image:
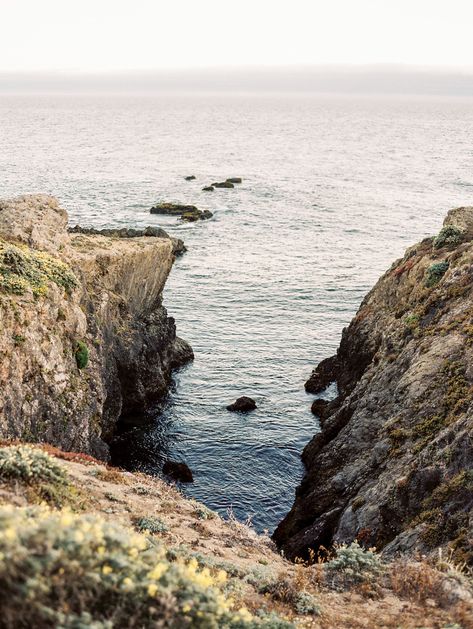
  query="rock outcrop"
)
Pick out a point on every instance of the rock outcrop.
point(84, 337)
point(187, 213)
point(393, 463)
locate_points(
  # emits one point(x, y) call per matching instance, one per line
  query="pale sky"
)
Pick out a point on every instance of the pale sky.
point(113, 35)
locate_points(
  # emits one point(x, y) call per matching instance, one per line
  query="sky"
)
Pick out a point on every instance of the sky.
point(97, 36)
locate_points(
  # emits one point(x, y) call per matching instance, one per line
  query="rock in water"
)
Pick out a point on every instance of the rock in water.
point(234, 179)
point(208, 189)
point(178, 471)
point(188, 213)
point(392, 466)
point(172, 209)
point(242, 405)
point(223, 184)
point(190, 178)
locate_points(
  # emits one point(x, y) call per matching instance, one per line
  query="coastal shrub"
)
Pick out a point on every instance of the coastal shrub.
point(352, 564)
point(30, 464)
point(82, 355)
point(449, 236)
point(287, 591)
point(204, 513)
point(435, 273)
point(58, 569)
point(23, 269)
point(151, 524)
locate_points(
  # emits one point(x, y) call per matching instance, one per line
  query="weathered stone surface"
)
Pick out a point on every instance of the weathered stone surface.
point(128, 232)
point(114, 308)
point(392, 465)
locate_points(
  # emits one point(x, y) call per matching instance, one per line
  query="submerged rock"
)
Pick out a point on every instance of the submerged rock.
point(392, 466)
point(178, 471)
point(190, 178)
point(234, 179)
point(208, 189)
point(242, 405)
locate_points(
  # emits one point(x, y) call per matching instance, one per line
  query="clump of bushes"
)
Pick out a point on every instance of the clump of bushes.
point(435, 273)
point(287, 591)
point(151, 524)
point(82, 354)
point(23, 269)
point(75, 569)
point(43, 478)
point(29, 464)
point(449, 236)
point(353, 564)
point(204, 513)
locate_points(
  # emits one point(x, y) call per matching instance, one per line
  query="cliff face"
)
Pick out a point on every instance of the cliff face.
point(393, 463)
point(70, 299)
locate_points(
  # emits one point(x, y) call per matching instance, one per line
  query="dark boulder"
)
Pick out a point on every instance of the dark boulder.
point(324, 374)
point(178, 471)
point(223, 184)
point(197, 215)
point(172, 209)
point(208, 189)
point(187, 213)
point(234, 180)
point(242, 405)
point(190, 178)
point(319, 407)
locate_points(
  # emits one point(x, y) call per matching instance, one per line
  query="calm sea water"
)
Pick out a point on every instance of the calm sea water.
point(334, 190)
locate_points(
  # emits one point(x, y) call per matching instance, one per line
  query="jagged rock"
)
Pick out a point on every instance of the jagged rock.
point(392, 466)
point(188, 213)
point(105, 292)
point(178, 471)
point(190, 178)
point(234, 180)
point(242, 405)
point(208, 189)
point(223, 184)
point(198, 215)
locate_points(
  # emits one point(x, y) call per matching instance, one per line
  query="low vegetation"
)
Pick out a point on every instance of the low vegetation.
point(434, 273)
point(78, 571)
point(448, 236)
point(23, 269)
point(81, 354)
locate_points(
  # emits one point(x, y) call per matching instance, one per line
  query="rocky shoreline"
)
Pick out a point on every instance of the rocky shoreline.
point(63, 290)
point(392, 464)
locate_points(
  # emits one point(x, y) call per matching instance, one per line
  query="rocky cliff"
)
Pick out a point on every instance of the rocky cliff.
point(393, 463)
point(84, 337)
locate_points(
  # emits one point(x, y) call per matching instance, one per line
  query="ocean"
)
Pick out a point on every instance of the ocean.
point(334, 189)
